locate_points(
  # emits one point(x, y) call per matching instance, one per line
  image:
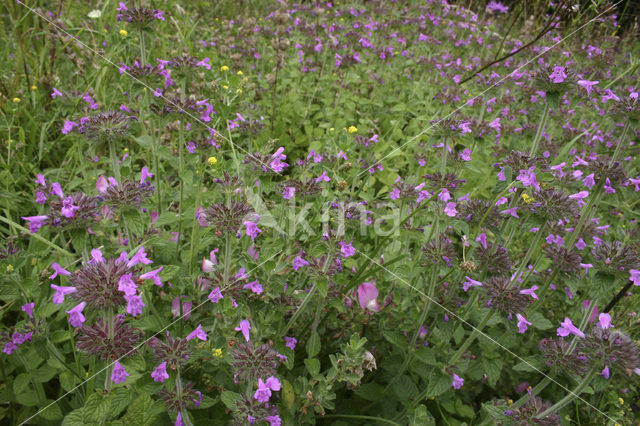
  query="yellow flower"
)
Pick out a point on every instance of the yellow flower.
point(621, 401)
point(224, 68)
point(34, 87)
point(527, 198)
point(331, 129)
point(16, 100)
point(510, 402)
point(217, 353)
point(239, 73)
point(352, 129)
point(212, 160)
point(123, 33)
point(239, 91)
point(9, 268)
point(225, 87)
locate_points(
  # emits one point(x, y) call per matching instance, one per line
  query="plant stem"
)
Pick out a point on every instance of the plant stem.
point(456, 356)
point(541, 125)
point(570, 396)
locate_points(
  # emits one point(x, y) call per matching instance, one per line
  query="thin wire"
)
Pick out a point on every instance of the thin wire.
point(136, 348)
point(488, 88)
point(144, 84)
point(453, 314)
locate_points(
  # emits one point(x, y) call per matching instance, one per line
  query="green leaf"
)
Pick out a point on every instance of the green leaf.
point(28, 399)
point(538, 321)
point(427, 356)
point(21, 383)
point(323, 287)
point(492, 367)
point(439, 384)
point(313, 344)
point(530, 363)
point(396, 339)
point(287, 394)
point(229, 399)
point(96, 407)
point(44, 374)
point(143, 412)
point(405, 388)
point(76, 418)
point(134, 221)
point(313, 366)
point(371, 391)
point(119, 399)
point(52, 412)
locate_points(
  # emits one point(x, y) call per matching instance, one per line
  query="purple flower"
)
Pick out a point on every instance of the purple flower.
point(558, 75)
point(634, 276)
point(134, 304)
point(153, 275)
point(288, 192)
point(522, 323)
point(465, 155)
point(160, 374)
point(198, 333)
point(28, 309)
point(450, 209)
point(179, 420)
point(347, 249)
point(470, 283)
point(119, 374)
point(458, 381)
point(215, 295)
point(254, 286)
point(139, 257)
point(291, 342)
point(530, 292)
point(68, 209)
point(252, 229)
point(276, 163)
point(567, 327)
point(144, 174)
point(186, 307)
point(263, 393)
point(368, 296)
point(68, 126)
point(41, 198)
point(35, 222)
point(274, 420)
point(127, 285)
point(244, 327)
point(323, 177)
point(61, 292)
point(605, 373)
point(587, 85)
point(299, 262)
point(75, 315)
point(18, 338)
point(55, 93)
point(511, 211)
point(604, 321)
point(9, 347)
point(58, 270)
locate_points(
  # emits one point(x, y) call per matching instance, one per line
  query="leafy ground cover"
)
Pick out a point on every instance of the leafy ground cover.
point(319, 213)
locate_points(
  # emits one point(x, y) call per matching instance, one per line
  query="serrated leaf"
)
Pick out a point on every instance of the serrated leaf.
point(439, 384)
point(323, 287)
point(142, 412)
point(119, 399)
point(229, 399)
point(396, 339)
point(21, 383)
point(493, 368)
point(370, 391)
point(44, 374)
point(538, 321)
point(405, 388)
point(52, 412)
point(530, 363)
point(313, 366)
